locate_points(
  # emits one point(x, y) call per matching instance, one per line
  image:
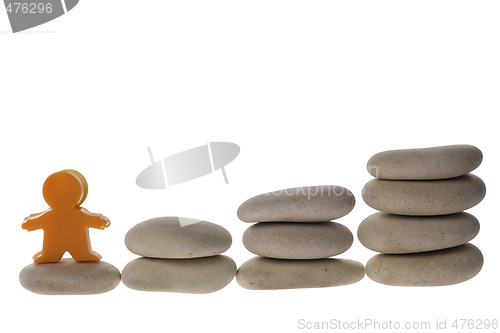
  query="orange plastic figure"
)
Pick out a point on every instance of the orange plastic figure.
point(65, 224)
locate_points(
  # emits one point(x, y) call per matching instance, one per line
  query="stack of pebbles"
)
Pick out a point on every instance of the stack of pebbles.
point(178, 255)
point(294, 237)
point(422, 231)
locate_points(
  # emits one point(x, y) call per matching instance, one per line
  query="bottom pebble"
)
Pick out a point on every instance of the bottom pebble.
point(68, 277)
point(261, 273)
point(192, 276)
point(434, 268)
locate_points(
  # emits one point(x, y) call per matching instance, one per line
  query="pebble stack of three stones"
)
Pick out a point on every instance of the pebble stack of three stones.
point(421, 230)
point(178, 255)
point(293, 238)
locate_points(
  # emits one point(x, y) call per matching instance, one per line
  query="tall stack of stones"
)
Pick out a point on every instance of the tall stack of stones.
point(421, 230)
point(178, 255)
point(294, 238)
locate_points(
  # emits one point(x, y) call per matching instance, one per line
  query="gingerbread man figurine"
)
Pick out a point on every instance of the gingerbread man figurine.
point(65, 223)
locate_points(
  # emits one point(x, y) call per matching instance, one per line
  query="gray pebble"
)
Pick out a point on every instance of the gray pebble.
point(299, 204)
point(425, 163)
point(193, 276)
point(261, 273)
point(424, 197)
point(435, 268)
point(284, 240)
point(388, 233)
point(68, 277)
point(164, 237)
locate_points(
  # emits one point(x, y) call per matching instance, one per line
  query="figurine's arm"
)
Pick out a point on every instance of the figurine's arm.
point(35, 221)
point(93, 220)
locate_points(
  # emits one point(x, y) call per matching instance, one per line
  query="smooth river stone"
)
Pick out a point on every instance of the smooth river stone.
point(424, 197)
point(299, 204)
point(68, 277)
point(261, 273)
point(388, 233)
point(164, 237)
point(425, 163)
point(192, 276)
point(284, 240)
point(435, 268)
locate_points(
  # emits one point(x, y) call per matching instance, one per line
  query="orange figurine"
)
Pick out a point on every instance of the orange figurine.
point(65, 224)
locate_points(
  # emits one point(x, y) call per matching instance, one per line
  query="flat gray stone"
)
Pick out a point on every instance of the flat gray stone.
point(424, 197)
point(436, 268)
point(388, 233)
point(192, 276)
point(425, 163)
point(261, 273)
point(68, 277)
point(292, 240)
point(164, 237)
point(299, 204)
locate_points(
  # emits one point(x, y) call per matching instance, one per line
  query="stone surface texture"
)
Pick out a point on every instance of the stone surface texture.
point(388, 233)
point(69, 277)
point(424, 197)
point(301, 204)
point(261, 273)
point(164, 237)
point(435, 268)
point(292, 240)
point(425, 163)
point(194, 276)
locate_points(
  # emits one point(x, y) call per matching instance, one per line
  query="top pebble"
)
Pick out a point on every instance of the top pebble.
point(167, 238)
point(425, 163)
point(299, 204)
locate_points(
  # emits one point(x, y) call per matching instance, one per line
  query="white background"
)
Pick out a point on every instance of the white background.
point(308, 89)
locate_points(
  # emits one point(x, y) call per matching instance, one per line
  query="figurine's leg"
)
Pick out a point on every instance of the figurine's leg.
point(48, 255)
point(80, 255)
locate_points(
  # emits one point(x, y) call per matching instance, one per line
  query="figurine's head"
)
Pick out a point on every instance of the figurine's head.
point(65, 189)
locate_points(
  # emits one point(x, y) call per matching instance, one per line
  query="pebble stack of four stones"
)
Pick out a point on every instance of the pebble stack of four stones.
point(421, 230)
point(178, 255)
point(294, 238)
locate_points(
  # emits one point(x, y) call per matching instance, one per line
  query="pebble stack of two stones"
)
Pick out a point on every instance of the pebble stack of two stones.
point(178, 255)
point(421, 231)
point(294, 239)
